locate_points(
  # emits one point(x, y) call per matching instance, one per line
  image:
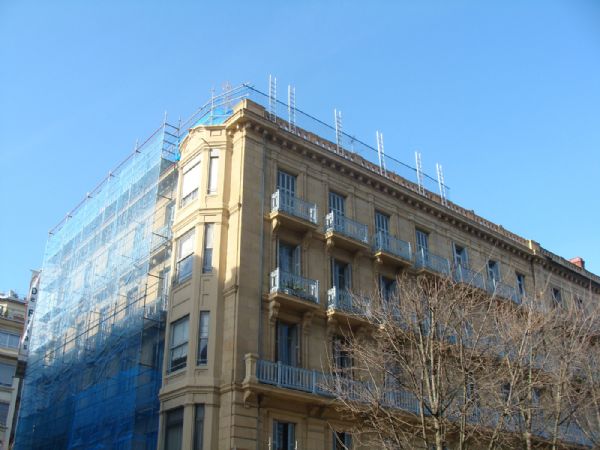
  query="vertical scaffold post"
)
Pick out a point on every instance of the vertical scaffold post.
point(226, 87)
point(338, 130)
point(292, 109)
point(419, 173)
point(441, 184)
point(381, 153)
point(212, 105)
point(272, 98)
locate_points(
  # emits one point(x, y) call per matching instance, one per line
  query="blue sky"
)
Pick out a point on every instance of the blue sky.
point(504, 94)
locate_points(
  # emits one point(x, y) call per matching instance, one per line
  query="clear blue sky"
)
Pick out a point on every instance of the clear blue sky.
point(505, 94)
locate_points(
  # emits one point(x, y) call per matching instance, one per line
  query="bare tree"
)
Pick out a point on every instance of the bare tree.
point(441, 363)
point(417, 359)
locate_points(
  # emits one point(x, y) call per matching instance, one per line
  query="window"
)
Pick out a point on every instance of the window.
point(342, 359)
point(163, 285)
point(7, 372)
point(422, 239)
point(557, 296)
point(341, 275)
point(3, 413)
point(131, 299)
point(203, 338)
point(337, 204)
point(190, 181)
point(174, 429)
point(288, 258)
point(286, 183)
point(460, 256)
point(521, 285)
point(213, 171)
point(208, 248)
point(387, 288)
point(198, 427)
point(179, 344)
point(342, 440)
point(493, 270)
point(185, 256)
point(382, 223)
point(169, 213)
point(505, 391)
point(287, 343)
point(284, 436)
point(9, 340)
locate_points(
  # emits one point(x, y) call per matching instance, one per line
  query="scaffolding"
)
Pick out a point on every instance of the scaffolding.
point(96, 348)
point(95, 359)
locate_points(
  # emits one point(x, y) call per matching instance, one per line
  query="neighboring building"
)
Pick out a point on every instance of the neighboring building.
point(270, 225)
point(12, 319)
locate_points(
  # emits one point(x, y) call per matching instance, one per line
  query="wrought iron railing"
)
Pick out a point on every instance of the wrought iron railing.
point(296, 285)
point(342, 300)
point(465, 275)
point(503, 290)
point(436, 263)
point(384, 242)
point(289, 204)
point(319, 383)
point(336, 222)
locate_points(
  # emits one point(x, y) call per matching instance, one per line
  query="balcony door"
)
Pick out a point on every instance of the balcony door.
point(461, 257)
point(287, 343)
point(341, 275)
point(286, 184)
point(288, 257)
point(422, 239)
point(382, 223)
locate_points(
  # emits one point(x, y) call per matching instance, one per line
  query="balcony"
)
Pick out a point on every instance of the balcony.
point(292, 289)
point(354, 310)
point(465, 275)
point(322, 384)
point(292, 212)
point(345, 233)
point(391, 250)
point(500, 289)
point(282, 375)
point(429, 262)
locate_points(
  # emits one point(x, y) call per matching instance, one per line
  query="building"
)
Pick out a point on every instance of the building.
point(192, 299)
point(12, 319)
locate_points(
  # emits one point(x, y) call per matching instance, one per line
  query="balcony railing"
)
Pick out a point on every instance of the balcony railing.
point(292, 284)
point(315, 382)
point(335, 222)
point(282, 375)
point(465, 275)
point(384, 242)
point(427, 260)
point(342, 300)
point(287, 203)
point(503, 290)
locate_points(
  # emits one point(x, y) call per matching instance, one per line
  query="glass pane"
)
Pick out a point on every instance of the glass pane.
point(199, 427)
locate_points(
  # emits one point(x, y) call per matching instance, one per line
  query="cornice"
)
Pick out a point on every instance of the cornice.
point(360, 170)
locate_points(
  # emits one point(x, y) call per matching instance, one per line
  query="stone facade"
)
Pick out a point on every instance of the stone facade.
point(239, 307)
